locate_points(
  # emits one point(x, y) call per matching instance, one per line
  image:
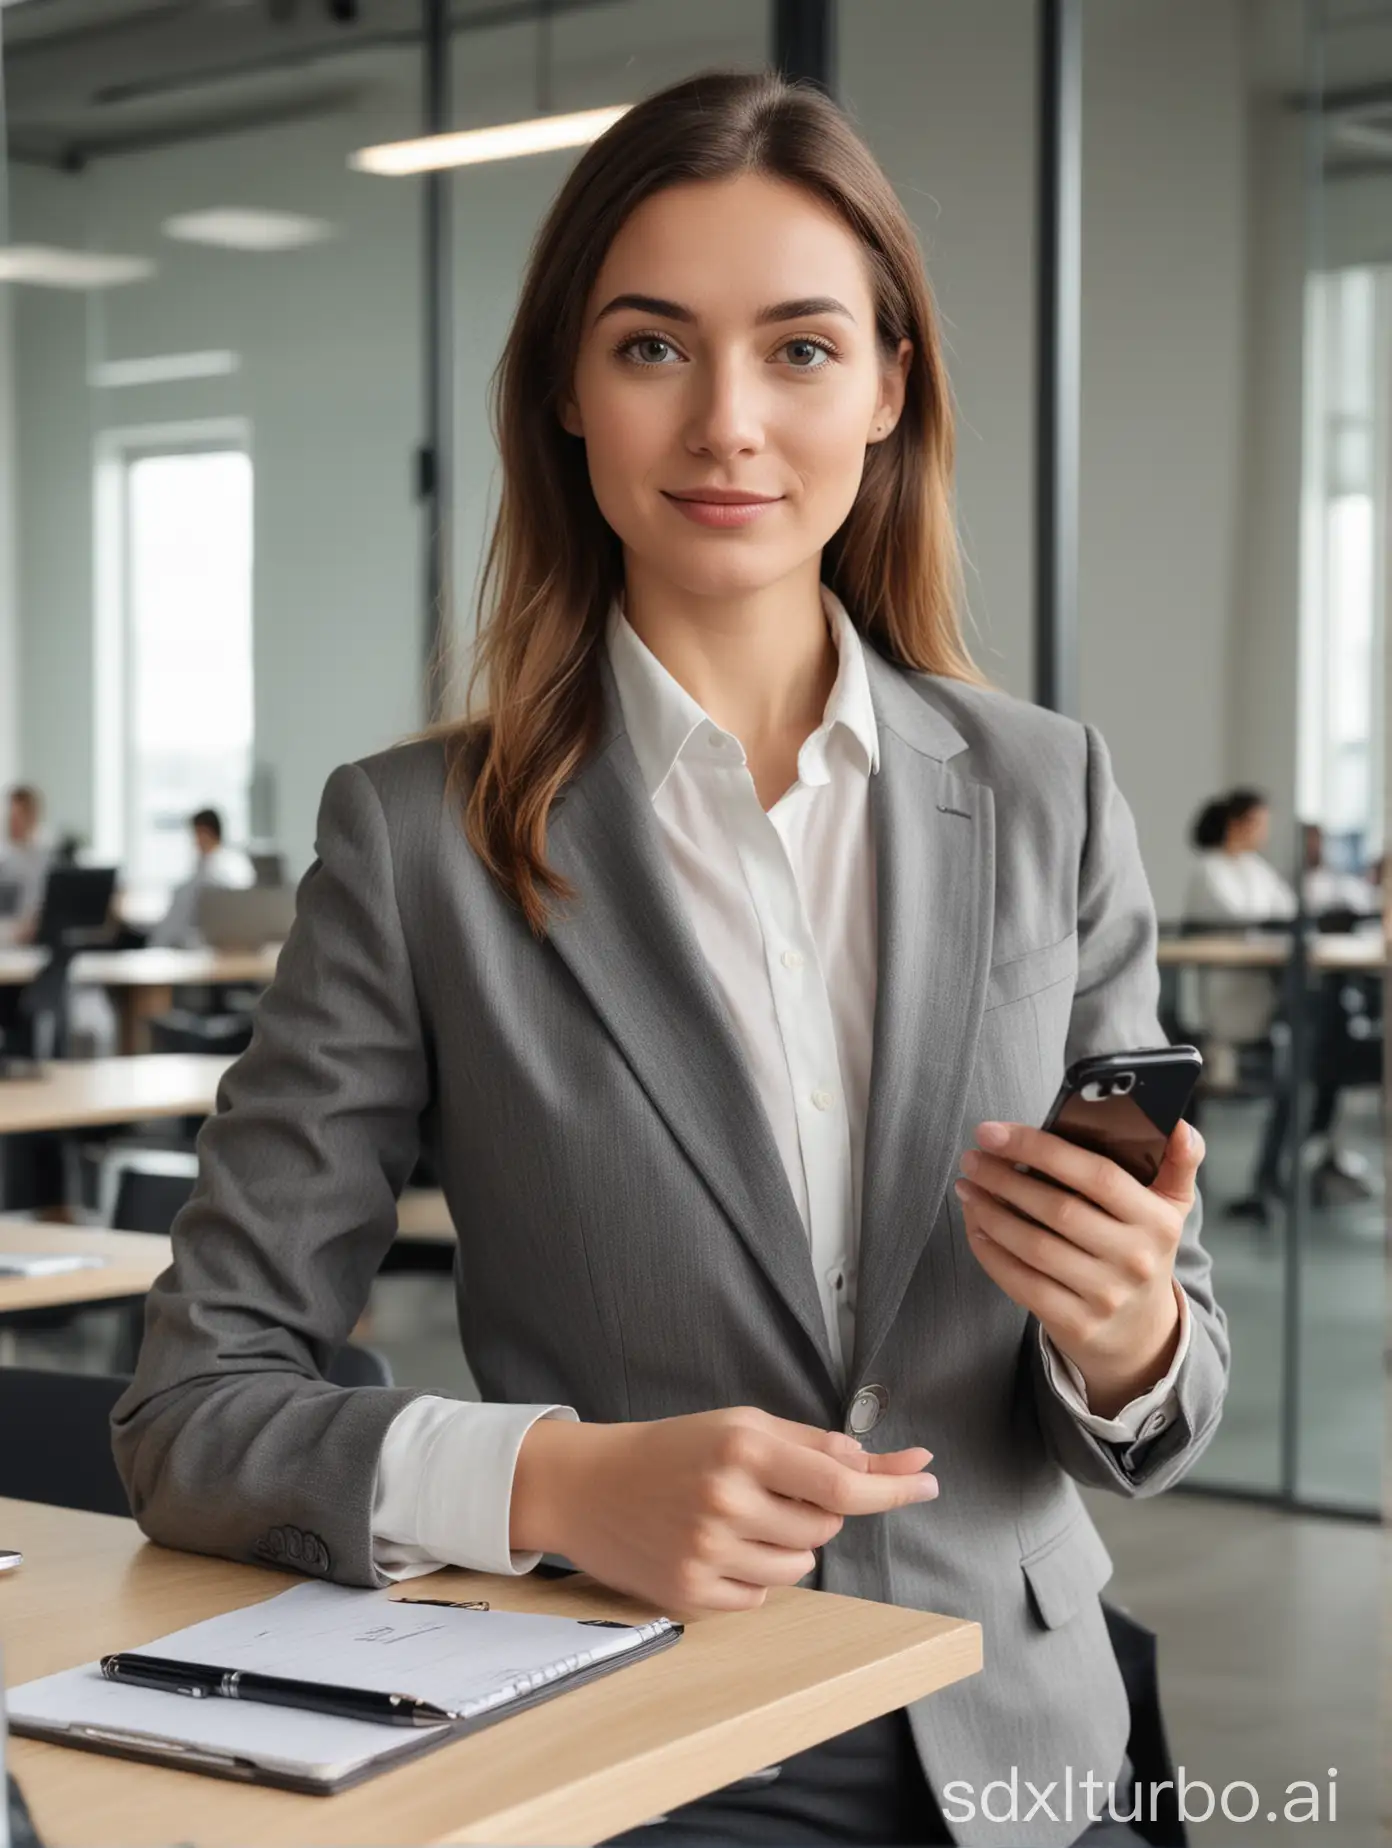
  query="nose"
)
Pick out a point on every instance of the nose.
point(726, 417)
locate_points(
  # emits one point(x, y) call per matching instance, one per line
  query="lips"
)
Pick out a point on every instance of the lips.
point(722, 507)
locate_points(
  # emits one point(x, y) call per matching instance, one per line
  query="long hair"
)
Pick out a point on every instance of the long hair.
point(554, 567)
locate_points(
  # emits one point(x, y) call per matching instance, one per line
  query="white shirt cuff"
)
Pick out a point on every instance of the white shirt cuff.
point(444, 1487)
point(1146, 1416)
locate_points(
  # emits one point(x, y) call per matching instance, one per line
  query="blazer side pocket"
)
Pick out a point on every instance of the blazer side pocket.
point(1070, 1567)
point(1036, 969)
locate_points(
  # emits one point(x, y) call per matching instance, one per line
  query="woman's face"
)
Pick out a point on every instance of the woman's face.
point(728, 383)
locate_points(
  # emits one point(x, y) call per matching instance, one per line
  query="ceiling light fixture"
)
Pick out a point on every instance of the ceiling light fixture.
point(48, 267)
point(236, 227)
point(468, 147)
point(163, 369)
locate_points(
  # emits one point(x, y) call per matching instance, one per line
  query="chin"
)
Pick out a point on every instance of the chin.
point(722, 569)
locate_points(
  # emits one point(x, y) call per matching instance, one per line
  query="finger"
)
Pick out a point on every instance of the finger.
point(777, 1521)
point(751, 1562)
point(1046, 1300)
point(1095, 1177)
point(1063, 1212)
point(802, 1475)
point(838, 1444)
point(1178, 1171)
point(1052, 1257)
point(909, 1462)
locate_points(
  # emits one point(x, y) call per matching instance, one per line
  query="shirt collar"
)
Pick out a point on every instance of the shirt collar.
point(662, 718)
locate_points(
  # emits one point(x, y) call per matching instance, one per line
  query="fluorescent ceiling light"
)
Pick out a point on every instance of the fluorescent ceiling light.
point(163, 369)
point(542, 135)
point(235, 227)
point(52, 268)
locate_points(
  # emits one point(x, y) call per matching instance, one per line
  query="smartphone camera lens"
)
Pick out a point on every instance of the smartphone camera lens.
point(1123, 1084)
point(1093, 1091)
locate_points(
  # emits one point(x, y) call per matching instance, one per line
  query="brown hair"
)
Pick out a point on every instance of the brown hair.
point(554, 566)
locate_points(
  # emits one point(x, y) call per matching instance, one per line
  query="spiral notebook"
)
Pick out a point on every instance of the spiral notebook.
point(481, 1665)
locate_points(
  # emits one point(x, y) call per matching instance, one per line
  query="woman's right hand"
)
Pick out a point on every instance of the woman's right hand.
point(701, 1513)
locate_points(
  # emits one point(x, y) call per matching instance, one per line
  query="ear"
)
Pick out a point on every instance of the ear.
point(570, 417)
point(894, 378)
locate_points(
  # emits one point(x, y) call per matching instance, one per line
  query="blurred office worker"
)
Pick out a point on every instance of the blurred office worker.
point(25, 859)
point(215, 864)
point(1327, 889)
point(743, 917)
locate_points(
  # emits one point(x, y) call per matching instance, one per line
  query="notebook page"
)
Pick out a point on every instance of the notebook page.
point(464, 1661)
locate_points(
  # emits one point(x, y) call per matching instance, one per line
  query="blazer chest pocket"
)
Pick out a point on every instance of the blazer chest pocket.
point(1026, 975)
point(1069, 1568)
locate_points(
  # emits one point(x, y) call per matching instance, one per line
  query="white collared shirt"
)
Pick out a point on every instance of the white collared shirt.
point(783, 905)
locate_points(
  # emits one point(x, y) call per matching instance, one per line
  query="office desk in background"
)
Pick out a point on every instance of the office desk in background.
point(82, 1093)
point(1353, 951)
point(130, 1262)
point(739, 1692)
point(141, 983)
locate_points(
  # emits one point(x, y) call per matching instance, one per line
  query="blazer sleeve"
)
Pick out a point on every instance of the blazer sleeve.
point(1115, 1006)
point(229, 1439)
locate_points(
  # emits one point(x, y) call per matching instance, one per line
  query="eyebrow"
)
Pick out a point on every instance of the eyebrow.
point(799, 310)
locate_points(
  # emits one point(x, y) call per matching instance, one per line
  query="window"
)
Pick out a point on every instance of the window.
point(176, 526)
point(1344, 604)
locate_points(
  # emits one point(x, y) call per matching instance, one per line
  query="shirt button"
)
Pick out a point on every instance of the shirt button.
point(791, 959)
point(716, 741)
point(823, 1100)
point(867, 1409)
point(837, 1279)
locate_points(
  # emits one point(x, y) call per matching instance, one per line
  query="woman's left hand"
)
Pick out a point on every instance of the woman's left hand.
point(1091, 1257)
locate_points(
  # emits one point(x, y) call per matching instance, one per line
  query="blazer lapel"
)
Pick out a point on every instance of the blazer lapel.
point(627, 940)
point(935, 876)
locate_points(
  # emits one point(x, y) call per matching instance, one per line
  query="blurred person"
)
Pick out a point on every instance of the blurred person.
point(1232, 882)
point(1326, 889)
point(216, 864)
point(24, 864)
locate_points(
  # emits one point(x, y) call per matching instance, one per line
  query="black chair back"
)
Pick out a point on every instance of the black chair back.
point(55, 1430)
point(147, 1202)
point(55, 1439)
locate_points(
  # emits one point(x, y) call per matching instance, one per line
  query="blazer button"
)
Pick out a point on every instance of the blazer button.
point(867, 1408)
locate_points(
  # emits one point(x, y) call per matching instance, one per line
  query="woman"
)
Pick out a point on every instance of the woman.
point(696, 958)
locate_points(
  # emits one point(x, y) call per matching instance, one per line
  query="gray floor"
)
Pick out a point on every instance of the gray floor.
point(1273, 1636)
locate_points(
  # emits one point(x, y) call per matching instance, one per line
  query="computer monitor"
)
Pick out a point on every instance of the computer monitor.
point(76, 899)
point(269, 869)
point(232, 919)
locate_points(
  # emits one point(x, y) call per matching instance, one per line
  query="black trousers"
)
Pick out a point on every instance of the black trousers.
point(866, 1786)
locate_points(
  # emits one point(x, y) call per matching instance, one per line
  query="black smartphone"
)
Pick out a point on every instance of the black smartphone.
point(1125, 1105)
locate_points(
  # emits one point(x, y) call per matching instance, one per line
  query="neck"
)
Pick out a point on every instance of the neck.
point(761, 664)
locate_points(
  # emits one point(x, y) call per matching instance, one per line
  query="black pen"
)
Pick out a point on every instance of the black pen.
point(201, 1682)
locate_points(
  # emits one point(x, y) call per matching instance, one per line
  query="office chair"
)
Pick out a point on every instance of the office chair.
point(148, 1200)
point(55, 1430)
point(181, 1030)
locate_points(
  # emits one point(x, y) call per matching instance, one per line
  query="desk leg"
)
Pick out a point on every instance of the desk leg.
point(135, 1007)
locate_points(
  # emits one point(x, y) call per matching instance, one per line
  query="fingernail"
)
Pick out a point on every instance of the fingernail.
point(925, 1488)
point(961, 1189)
point(992, 1135)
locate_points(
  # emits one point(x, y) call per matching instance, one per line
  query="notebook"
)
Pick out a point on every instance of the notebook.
point(481, 1665)
point(45, 1263)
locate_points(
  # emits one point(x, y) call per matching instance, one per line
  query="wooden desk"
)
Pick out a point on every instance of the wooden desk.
point(1344, 951)
point(737, 1693)
point(141, 983)
point(130, 1263)
point(422, 1215)
point(134, 1259)
point(79, 1093)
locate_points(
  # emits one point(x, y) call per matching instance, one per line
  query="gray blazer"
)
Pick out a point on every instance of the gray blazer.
point(627, 1240)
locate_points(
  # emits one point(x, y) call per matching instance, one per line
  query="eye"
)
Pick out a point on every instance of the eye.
point(647, 350)
point(805, 354)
